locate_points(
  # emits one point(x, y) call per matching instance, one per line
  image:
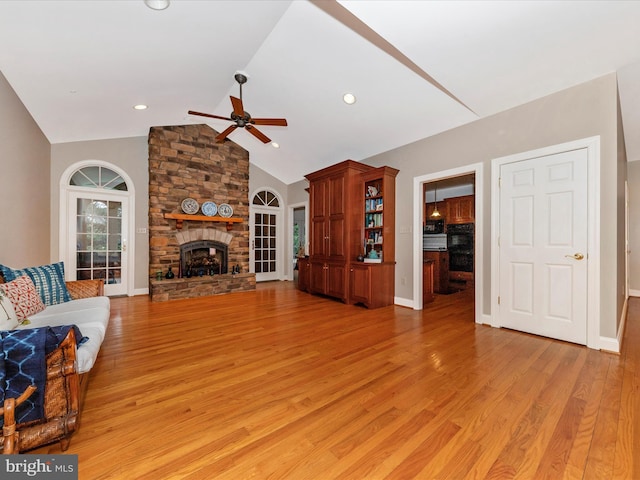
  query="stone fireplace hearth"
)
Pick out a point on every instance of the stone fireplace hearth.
point(186, 162)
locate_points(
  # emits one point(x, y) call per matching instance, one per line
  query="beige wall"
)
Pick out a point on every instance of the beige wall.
point(130, 155)
point(583, 111)
point(24, 184)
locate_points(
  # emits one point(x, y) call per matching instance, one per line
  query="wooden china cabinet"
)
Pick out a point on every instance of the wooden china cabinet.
point(352, 209)
point(335, 235)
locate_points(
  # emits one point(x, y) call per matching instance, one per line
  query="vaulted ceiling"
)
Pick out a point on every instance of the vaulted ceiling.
point(417, 68)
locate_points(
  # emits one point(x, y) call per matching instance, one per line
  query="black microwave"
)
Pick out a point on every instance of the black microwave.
point(433, 227)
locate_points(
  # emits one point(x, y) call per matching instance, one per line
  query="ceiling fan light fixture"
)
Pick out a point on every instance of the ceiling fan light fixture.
point(157, 4)
point(241, 118)
point(275, 144)
point(349, 98)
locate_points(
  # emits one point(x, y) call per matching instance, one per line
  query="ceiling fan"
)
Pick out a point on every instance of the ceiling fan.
point(242, 119)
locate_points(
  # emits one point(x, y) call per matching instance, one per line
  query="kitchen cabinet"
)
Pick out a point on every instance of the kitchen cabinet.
point(440, 270)
point(460, 209)
point(427, 281)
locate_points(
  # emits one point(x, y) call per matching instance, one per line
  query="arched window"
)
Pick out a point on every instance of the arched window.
point(98, 177)
point(266, 199)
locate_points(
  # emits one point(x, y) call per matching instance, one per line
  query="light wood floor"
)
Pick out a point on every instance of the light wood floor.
point(278, 384)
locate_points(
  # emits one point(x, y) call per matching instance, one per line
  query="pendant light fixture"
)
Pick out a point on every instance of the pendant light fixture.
point(436, 213)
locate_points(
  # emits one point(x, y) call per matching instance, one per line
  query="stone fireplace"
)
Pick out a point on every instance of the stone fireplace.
point(186, 162)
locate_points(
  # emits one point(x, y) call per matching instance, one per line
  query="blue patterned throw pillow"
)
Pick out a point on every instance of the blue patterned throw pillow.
point(48, 279)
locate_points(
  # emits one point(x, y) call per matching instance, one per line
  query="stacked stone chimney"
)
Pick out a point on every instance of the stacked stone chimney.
point(186, 162)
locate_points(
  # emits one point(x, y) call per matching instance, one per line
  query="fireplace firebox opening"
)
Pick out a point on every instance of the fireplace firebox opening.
point(203, 257)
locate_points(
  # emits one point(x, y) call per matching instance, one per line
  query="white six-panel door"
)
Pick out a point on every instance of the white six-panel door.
point(543, 246)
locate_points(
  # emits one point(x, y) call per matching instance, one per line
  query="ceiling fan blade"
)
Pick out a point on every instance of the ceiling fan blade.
point(220, 138)
point(279, 122)
point(258, 134)
point(238, 109)
point(191, 112)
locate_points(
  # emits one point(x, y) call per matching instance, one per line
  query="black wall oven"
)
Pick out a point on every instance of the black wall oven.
point(460, 246)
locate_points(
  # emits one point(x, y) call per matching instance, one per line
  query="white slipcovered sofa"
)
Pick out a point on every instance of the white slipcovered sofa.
point(47, 300)
point(90, 315)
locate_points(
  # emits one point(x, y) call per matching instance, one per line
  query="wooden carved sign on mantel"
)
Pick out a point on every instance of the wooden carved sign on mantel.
point(180, 217)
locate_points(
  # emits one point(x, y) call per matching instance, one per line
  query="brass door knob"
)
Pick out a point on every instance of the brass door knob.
point(576, 256)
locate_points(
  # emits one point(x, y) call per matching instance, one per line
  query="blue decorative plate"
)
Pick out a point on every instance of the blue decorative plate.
point(225, 210)
point(209, 209)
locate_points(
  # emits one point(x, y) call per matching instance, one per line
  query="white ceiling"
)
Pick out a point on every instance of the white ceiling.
point(80, 66)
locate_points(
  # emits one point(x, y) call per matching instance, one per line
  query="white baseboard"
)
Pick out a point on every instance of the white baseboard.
point(634, 293)
point(485, 319)
point(609, 344)
point(615, 344)
point(141, 291)
point(403, 302)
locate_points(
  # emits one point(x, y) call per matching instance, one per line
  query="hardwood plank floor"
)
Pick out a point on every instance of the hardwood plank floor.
point(278, 384)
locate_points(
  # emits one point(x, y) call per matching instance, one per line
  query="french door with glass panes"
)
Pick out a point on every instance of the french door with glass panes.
point(98, 224)
point(264, 254)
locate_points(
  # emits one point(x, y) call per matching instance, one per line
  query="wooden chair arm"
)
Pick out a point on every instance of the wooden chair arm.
point(9, 433)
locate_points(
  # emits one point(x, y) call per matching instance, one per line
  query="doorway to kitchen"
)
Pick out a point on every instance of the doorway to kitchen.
point(456, 197)
point(448, 235)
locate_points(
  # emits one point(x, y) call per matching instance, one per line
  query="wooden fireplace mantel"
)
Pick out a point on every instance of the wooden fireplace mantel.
point(180, 217)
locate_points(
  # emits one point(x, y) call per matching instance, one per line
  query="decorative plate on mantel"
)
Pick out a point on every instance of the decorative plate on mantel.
point(225, 210)
point(190, 206)
point(209, 209)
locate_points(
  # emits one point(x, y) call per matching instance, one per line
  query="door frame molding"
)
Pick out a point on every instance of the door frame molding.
point(279, 211)
point(64, 208)
point(592, 146)
point(418, 202)
point(289, 249)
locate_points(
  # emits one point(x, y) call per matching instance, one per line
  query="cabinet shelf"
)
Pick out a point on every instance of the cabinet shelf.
point(181, 217)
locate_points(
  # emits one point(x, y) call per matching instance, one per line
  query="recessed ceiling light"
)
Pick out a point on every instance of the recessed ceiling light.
point(349, 98)
point(140, 107)
point(275, 144)
point(157, 4)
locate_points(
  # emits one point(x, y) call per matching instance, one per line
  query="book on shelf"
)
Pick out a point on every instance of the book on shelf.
point(373, 205)
point(373, 220)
